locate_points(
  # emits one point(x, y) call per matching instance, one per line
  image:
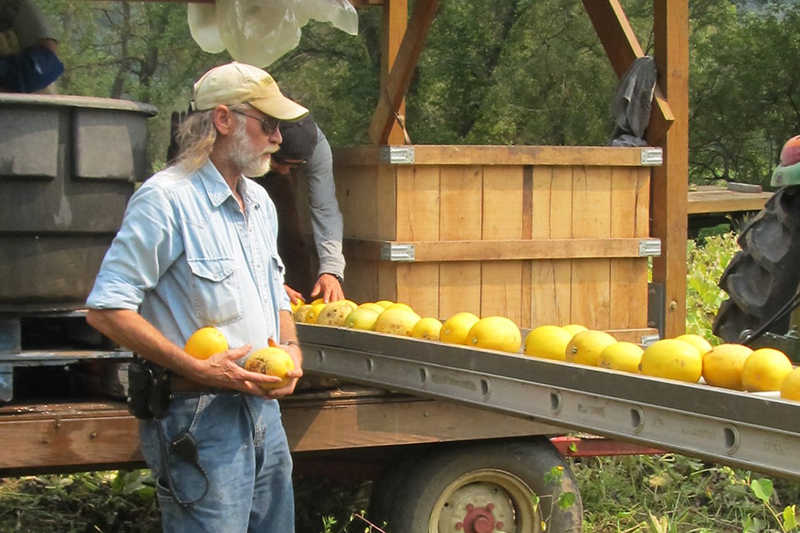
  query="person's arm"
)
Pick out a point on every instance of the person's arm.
point(37, 65)
point(326, 220)
point(29, 71)
point(129, 329)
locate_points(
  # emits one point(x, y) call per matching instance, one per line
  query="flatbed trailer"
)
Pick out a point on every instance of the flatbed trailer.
point(406, 412)
point(756, 431)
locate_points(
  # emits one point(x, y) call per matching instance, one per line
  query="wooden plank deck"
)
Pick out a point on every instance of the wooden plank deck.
point(710, 199)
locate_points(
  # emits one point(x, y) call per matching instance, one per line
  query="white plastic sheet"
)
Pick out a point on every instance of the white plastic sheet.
point(259, 32)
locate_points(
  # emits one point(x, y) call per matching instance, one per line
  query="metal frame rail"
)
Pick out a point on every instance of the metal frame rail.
point(752, 431)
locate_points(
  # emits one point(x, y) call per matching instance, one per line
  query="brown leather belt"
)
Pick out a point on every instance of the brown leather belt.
point(181, 384)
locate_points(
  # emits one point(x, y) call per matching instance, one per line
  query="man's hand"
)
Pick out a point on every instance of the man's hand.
point(297, 357)
point(221, 370)
point(294, 296)
point(328, 288)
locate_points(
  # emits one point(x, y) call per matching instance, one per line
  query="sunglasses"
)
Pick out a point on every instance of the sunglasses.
point(269, 125)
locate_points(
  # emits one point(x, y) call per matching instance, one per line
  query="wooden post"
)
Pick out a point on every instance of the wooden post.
point(395, 22)
point(399, 79)
point(622, 48)
point(671, 180)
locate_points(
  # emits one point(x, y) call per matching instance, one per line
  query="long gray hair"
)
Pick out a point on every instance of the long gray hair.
point(196, 137)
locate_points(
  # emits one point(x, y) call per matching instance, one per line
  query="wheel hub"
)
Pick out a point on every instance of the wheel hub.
point(479, 520)
point(485, 501)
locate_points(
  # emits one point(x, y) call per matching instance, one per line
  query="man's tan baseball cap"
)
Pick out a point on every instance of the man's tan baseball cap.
point(239, 83)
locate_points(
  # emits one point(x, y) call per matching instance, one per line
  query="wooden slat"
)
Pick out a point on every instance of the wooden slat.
point(69, 442)
point(358, 200)
point(628, 293)
point(418, 286)
point(709, 199)
point(417, 203)
point(527, 233)
point(671, 181)
point(628, 278)
point(418, 218)
point(502, 219)
point(392, 423)
point(430, 154)
point(633, 335)
point(385, 188)
point(399, 79)
point(643, 188)
point(395, 22)
point(552, 219)
point(622, 48)
point(591, 218)
point(361, 279)
point(89, 436)
point(538, 249)
point(460, 282)
point(387, 281)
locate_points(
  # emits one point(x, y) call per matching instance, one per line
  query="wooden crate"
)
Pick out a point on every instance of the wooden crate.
point(541, 235)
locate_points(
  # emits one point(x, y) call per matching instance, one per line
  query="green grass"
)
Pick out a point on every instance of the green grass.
point(629, 494)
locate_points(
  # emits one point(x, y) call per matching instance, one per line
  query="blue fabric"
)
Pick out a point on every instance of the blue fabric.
point(186, 257)
point(245, 482)
point(31, 70)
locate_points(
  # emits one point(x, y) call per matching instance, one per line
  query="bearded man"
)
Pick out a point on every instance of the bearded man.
point(197, 248)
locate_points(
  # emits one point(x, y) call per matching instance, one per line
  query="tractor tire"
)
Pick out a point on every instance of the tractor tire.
point(473, 488)
point(765, 274)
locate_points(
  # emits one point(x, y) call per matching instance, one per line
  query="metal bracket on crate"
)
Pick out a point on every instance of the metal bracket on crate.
point(650, 248)
point(647, 340)
point(397, 155)
point(652, 157)
point(397, 252)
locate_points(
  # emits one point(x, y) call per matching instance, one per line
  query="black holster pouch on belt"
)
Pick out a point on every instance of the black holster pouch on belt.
point(148, 389)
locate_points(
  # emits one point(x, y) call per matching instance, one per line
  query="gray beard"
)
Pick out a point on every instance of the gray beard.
point(244, 155)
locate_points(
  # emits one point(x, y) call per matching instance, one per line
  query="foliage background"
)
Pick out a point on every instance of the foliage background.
point(511, 72)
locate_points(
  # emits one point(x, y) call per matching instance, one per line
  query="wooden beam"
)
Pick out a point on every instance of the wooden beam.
point(710, 199)
point(103, 435)
point(399, 79)
point(395, 22)
point(504, 250)
point(434, 154)
point(622, 48)
point(670, 182)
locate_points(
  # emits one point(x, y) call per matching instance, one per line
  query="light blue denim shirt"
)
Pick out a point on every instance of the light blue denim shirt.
point(186, 257)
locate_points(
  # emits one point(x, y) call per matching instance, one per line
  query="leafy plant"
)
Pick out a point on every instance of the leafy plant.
point(672, 493)
point(764, 490)
point(706, 262)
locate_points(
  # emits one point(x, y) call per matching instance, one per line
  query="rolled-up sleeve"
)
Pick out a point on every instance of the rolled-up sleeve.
point(146, 245)
point(326, 218)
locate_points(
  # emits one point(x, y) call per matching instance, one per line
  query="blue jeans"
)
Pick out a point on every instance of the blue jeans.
point(241, 481)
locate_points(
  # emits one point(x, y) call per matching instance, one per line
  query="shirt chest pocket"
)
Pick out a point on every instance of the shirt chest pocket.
point(216, 291)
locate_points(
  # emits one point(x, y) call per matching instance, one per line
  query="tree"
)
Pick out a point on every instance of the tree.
point(745, 88)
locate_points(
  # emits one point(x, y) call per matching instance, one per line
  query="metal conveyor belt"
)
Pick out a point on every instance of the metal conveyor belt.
point(752, 431)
